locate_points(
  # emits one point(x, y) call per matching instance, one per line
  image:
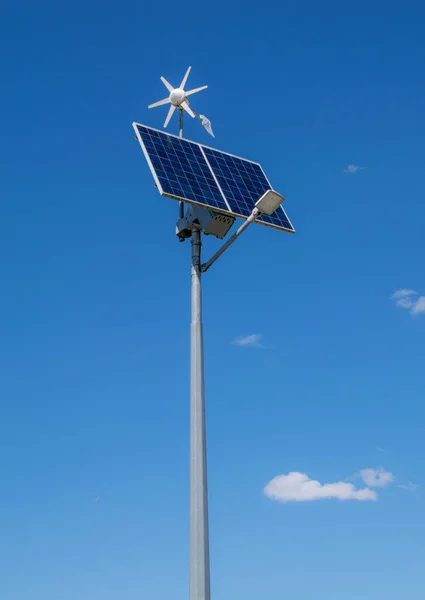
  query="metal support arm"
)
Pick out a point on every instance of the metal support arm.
point(255, 213)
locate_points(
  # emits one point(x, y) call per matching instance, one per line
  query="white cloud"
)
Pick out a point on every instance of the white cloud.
point(405, 303)
point(402, 293)
point(404, 299)
point(252, 341)
point(376, 477)
point(410, 487)
point(419, 306)
point(353, 169)
point(298, 487)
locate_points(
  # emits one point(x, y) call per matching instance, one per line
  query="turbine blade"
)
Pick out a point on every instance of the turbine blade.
point(170, 114)
point(159, 103)
point(185, 105)
point(167, 84)
point(183, 83)
point(204, 87)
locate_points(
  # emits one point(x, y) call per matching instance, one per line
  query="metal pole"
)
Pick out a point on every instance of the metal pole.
point(181, 204)
point(199, 542)
point(180, 122)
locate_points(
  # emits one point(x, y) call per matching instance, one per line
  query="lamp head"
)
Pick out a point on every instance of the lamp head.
point(269, 202)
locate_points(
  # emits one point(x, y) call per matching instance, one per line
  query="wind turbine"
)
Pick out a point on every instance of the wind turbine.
point(178, 98)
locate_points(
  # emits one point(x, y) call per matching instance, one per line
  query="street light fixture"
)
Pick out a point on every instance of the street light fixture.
point(269, 202)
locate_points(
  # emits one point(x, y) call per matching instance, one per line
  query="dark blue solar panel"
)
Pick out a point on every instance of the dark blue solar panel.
point(183, 173)
point(278, 219)
point(181, 169)
point(243, 183)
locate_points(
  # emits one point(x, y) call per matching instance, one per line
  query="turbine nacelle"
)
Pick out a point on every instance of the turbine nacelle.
point(177, 97)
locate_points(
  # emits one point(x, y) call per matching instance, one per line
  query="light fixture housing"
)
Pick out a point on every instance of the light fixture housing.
point(269, 202)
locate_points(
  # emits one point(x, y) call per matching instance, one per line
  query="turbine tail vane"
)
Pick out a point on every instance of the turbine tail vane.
point(207, 124)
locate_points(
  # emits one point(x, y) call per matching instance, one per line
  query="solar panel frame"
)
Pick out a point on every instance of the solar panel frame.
point(278, 220)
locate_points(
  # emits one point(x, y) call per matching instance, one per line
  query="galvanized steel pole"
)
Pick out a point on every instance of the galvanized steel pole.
point(199, 542)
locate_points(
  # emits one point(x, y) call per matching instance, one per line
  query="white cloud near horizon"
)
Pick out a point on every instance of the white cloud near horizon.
point(298, 487)
point(376, 477)
point(353, 168)
point(405, 298)
point(250, 341)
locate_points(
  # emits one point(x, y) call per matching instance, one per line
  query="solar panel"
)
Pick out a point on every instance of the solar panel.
point(180, 169)
point(197, 174)
point(243, 183)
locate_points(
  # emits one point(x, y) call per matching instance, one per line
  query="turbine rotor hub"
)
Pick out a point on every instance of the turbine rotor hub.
point(177, 96)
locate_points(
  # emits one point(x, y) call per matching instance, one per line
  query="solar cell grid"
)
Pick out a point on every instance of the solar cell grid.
point(191, 172)
point(181, 169)
point(243, 182)
point(278, 219)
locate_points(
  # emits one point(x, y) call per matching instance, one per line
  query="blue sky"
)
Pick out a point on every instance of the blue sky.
point(94, 325)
